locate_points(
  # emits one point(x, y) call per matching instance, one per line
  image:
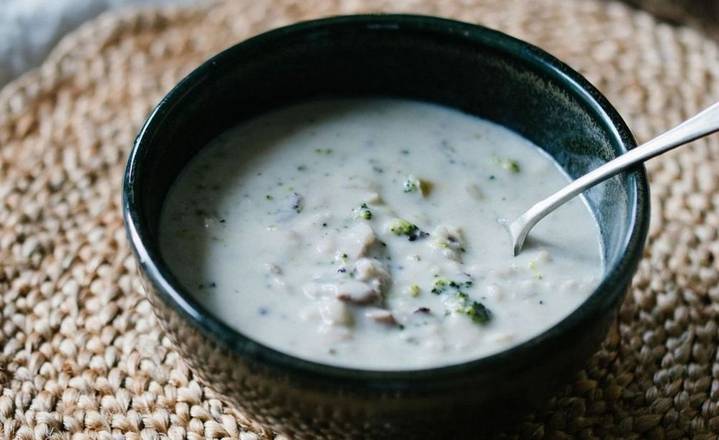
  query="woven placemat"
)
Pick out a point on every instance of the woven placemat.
point(82, 355)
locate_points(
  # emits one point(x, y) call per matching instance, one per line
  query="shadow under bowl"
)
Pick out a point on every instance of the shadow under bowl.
point(464, 66)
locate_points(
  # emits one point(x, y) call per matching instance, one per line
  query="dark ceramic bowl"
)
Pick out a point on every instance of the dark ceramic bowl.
point(460, 65)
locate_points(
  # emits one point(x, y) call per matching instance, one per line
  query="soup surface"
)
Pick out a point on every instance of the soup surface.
point(369, 233)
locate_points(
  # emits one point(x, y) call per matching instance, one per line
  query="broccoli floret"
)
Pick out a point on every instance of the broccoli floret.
point(410, 230)
point(402, 227)
point(440, 285)
point(477, 312)
point(510, 165)
point(364, 212)
point(413, 184)
point(414, 290)
point(462, 303)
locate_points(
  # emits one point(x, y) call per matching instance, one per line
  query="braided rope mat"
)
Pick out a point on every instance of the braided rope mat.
point(81, 355)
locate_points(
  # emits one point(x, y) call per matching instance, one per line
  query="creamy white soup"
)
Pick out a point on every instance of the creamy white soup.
point(370, 233)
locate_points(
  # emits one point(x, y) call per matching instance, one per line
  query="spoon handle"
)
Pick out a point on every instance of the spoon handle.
point(702, 124)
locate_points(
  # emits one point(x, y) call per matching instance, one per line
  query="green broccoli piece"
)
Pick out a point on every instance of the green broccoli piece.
point(477, 312)
point(510, 165)
point(364, 212)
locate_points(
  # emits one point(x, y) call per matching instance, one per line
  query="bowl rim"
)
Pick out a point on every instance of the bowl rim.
point(602, 299)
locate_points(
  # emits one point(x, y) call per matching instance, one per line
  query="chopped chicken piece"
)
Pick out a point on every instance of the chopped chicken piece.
point(357, 240)
point(381, 316)
point(335, 312)
point(448, 240)
point(357, 292)
point(368, 269)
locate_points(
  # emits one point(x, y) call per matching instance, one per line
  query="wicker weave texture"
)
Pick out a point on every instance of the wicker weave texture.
point(81, 355)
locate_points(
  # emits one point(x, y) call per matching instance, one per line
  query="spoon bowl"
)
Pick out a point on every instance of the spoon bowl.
point(700, 125)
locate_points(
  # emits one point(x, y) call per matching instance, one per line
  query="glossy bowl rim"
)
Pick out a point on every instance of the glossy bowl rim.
point(604, 296)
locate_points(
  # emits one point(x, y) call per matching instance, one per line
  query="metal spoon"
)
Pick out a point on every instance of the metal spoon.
point(704, 123)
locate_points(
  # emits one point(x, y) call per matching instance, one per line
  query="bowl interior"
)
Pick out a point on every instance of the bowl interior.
point(473, 69)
